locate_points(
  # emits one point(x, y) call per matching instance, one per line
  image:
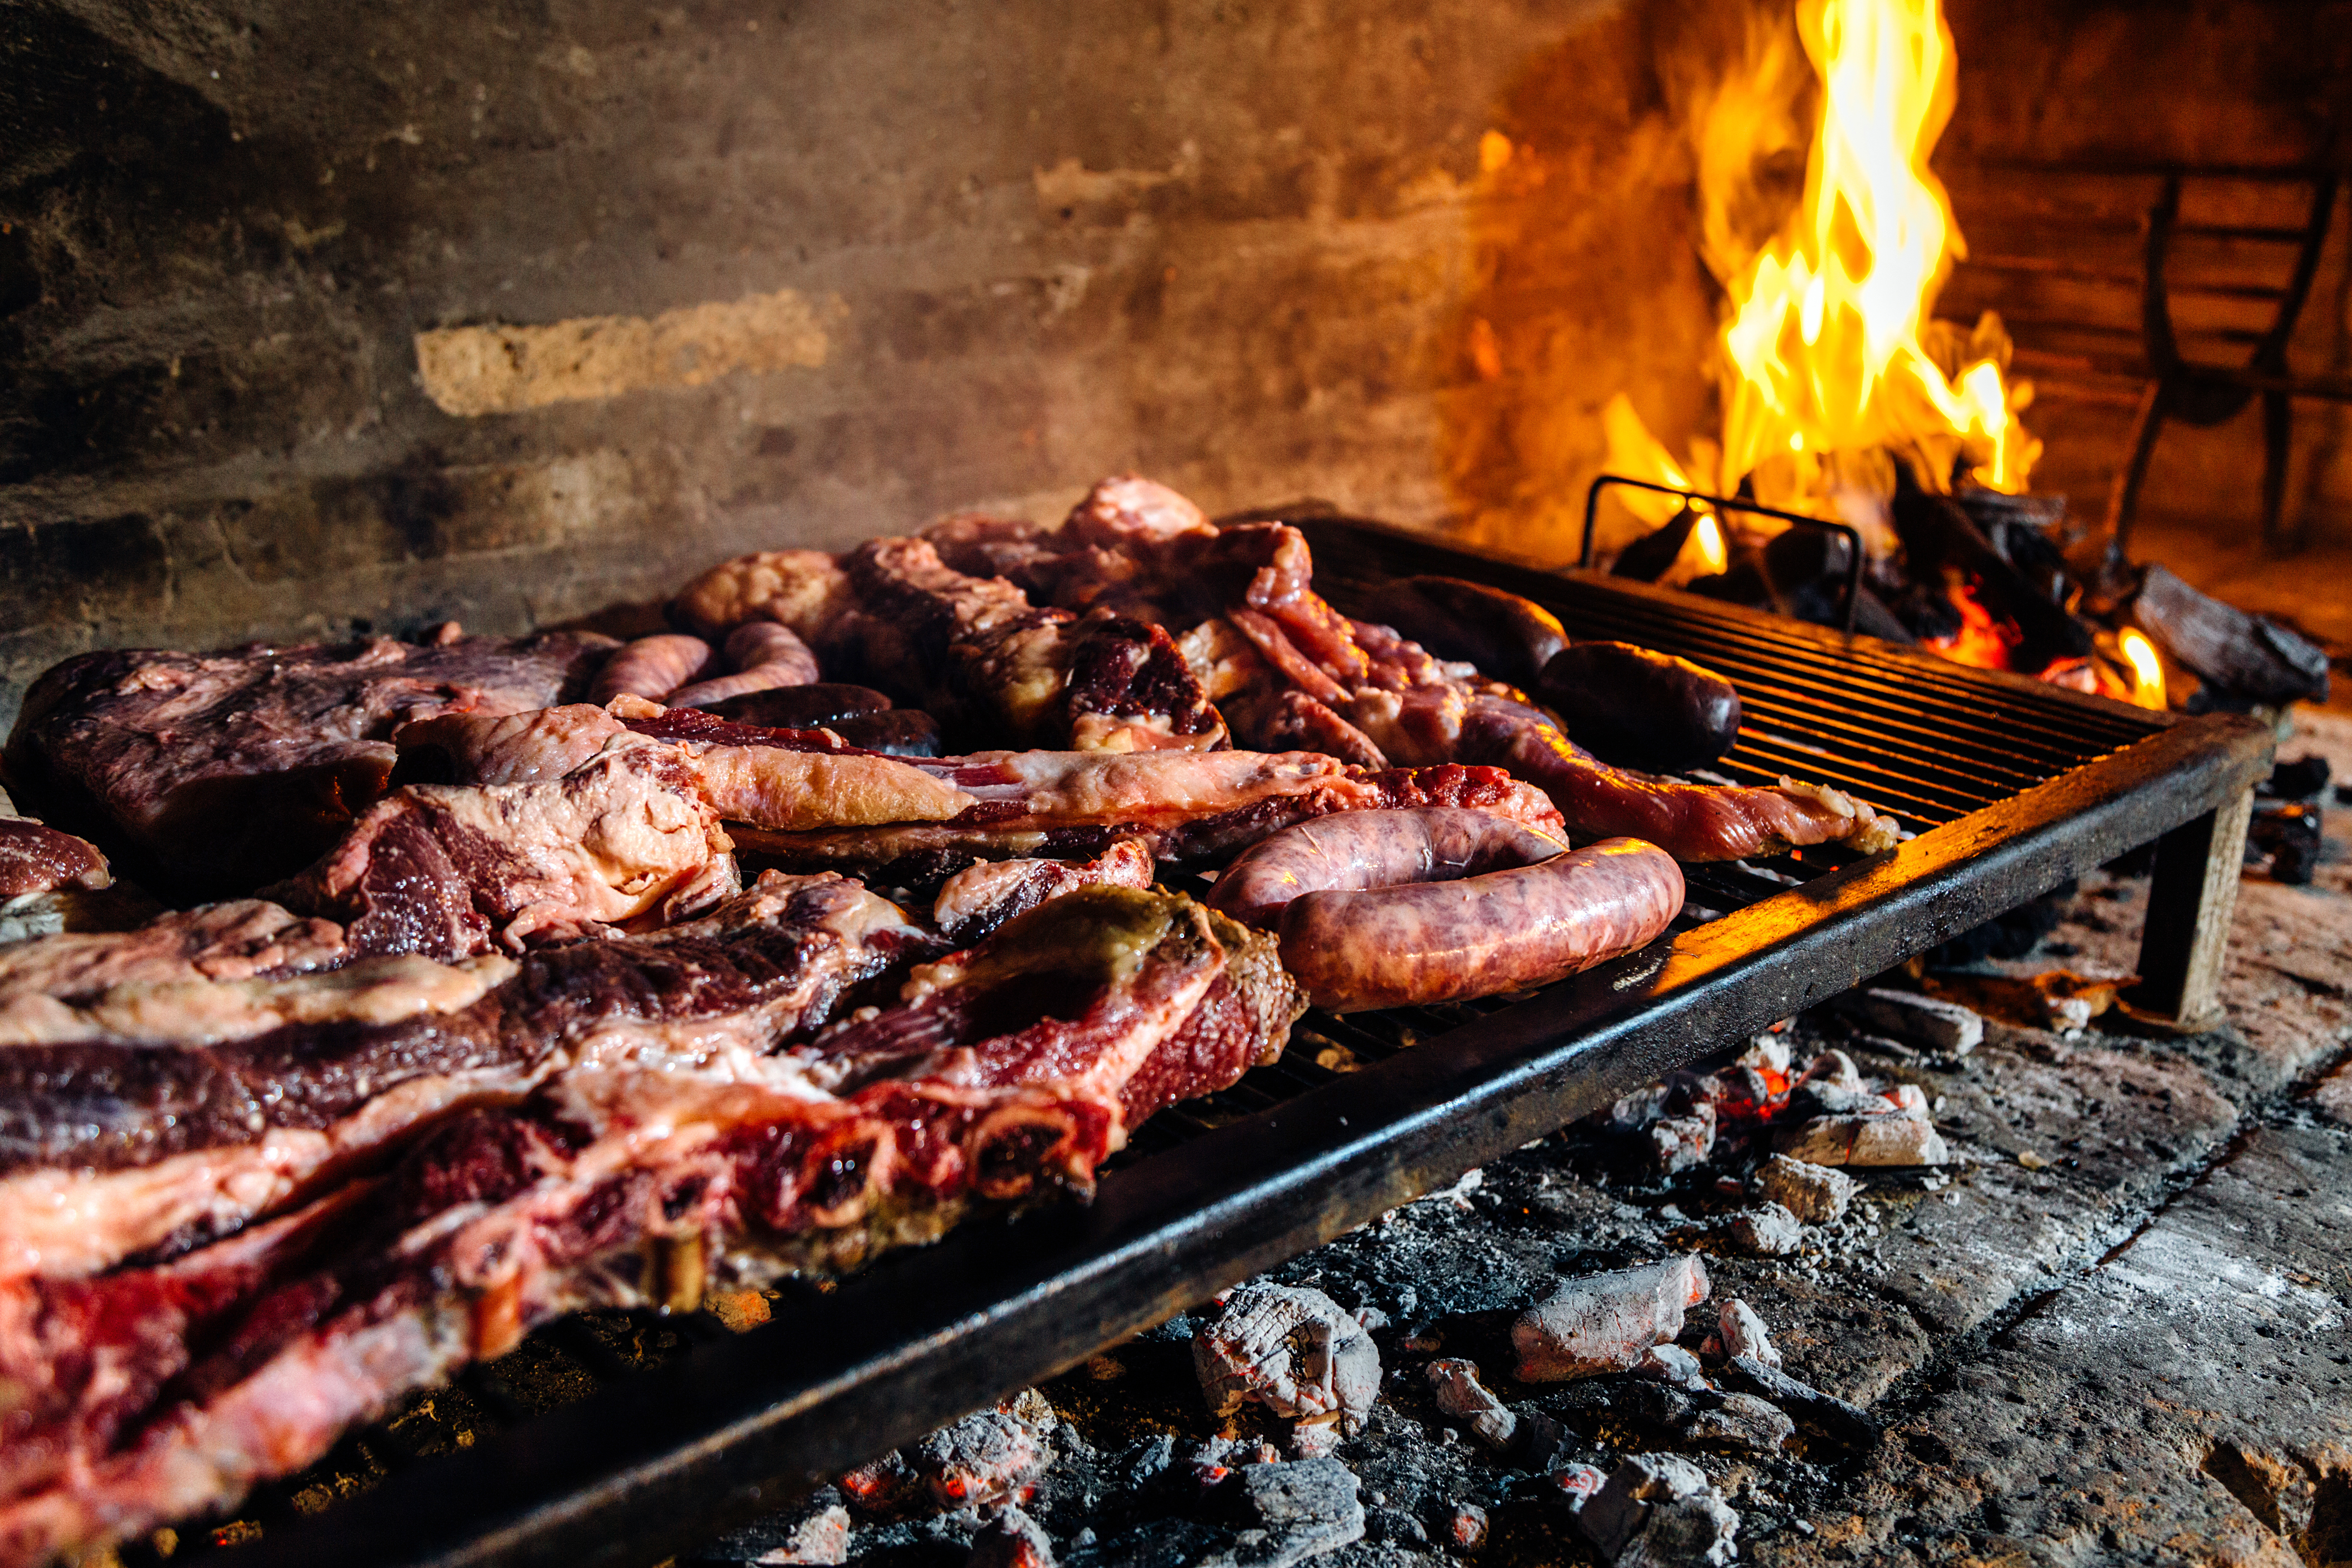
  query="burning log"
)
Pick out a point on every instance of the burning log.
point(2245, 659)
point(1605, 1322)
point(1942, 544)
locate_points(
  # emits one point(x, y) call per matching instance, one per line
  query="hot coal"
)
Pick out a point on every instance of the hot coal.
point(1604, 1322)
point(1659, 1510)
point(1295, 1352)
point(2285, 838)
point(1816, 1195)
point(1945, 1027)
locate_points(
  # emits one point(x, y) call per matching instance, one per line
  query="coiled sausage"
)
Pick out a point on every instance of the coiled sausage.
point(652, 668)
point(1507, 931)
point(1360, 850)
point(765, 655)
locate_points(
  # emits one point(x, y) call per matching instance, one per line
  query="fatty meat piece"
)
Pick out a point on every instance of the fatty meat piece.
point(880, 1134)
point(158, 1109)
point(226, 770)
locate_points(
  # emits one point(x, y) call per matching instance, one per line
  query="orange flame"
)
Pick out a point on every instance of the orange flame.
point(1829, 358)
point(1984, 640)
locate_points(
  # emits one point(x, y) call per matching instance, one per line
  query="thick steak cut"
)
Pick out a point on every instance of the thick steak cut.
point(224, 772)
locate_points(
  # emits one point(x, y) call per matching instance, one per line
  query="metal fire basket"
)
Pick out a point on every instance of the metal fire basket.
point(686, 1429)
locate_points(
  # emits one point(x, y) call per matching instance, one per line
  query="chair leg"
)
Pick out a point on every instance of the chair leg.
point(2278, 445)
point(2123, 499)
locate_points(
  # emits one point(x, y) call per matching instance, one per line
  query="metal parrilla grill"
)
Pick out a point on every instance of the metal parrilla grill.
point(623, 1437)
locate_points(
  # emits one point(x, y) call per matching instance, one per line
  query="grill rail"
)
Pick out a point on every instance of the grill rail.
point(621, 1438)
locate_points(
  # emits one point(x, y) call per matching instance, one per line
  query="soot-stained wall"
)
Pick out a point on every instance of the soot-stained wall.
point(688, 279)
point(316, 316)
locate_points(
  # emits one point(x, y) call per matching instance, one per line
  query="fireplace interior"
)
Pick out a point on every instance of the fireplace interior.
point(326, 323)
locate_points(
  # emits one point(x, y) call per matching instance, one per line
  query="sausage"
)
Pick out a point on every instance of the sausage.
point(1506, 636)
point(765, 655)
point(1357, 849)
point(821, 704)
point(1639, 709)
point(1507, 931)
point(652, 668)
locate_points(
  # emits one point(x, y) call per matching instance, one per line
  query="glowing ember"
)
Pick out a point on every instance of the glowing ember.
point(1984, 640)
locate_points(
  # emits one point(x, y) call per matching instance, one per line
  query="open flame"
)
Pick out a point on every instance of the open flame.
point(1830, 363)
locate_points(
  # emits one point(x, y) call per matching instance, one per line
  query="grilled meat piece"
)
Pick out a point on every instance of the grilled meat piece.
point(36, 859)
point(1009, 1072)
point(450, 870)
point(1288, 670)
point(221, 772)
point(992, 667)
point(976, 900)
point(145, 1107)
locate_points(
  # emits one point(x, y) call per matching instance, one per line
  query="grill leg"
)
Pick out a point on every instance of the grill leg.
point(2190, 903)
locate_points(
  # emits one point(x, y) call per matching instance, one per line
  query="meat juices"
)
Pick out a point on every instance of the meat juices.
point(1374, 849)
point(1507, 931)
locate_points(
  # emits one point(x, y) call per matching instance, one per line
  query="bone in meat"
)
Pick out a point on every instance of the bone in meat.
point(222, 1100)
point(884, 1133)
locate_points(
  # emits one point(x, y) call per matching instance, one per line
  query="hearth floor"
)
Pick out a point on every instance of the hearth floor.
point(2114, 1331)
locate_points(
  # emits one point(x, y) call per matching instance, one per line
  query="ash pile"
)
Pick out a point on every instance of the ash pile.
point(1554, 1360)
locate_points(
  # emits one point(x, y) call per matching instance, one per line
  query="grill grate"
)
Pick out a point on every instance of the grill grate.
point(616, 1437)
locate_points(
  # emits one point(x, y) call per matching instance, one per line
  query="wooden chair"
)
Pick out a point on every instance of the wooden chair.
point(2071, 305)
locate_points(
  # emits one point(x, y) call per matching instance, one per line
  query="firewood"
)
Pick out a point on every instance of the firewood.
point(2248, 657)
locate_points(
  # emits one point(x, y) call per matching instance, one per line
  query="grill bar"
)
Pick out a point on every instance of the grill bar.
point(2015, 784)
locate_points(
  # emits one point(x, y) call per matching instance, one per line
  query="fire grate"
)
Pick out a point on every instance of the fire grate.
point(620, 1439)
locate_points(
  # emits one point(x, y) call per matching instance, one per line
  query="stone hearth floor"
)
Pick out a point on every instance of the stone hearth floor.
point(2113, 1330)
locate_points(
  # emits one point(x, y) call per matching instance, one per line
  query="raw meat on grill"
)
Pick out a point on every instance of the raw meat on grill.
point(1193, 809)
point(244, 939)
point(221, 772)
point(449, 870)
point(1287, 669)
point(1008, 1072)
point(807, 798)
point(35, 860)
point(144, 1106)
point(979, 899)
point(973, 651)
